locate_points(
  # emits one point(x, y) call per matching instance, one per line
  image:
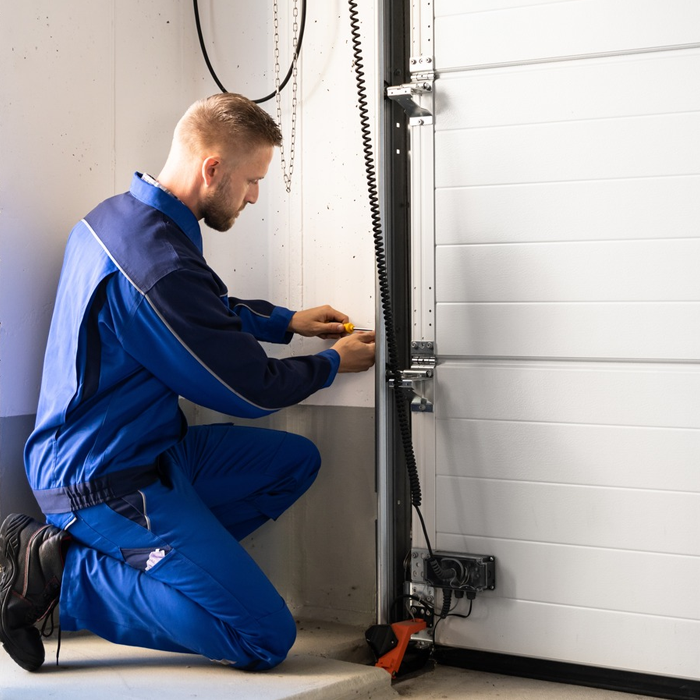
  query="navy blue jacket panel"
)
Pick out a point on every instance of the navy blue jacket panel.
point(141, 319)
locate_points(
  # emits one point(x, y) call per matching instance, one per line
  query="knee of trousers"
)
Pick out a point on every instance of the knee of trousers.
point(306, 460)
point(310, 457)
point(272, 642)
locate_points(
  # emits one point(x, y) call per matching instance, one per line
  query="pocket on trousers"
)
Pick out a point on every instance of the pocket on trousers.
point(145, 558)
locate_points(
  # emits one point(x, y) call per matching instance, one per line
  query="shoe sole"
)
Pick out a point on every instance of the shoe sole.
point(9, 552)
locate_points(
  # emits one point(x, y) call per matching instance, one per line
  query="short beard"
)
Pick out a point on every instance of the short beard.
point(215, 209)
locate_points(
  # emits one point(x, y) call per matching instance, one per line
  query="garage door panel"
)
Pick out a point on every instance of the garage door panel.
point(453, 7)
point(639, 208)
point(623, 86)
point(581, 271)
point(661, 396)
point(605, 579)
point(611, 331)
point(632, 519)
point(573, 151)
point(599, 638)
point(545, 31)
point(586, 455)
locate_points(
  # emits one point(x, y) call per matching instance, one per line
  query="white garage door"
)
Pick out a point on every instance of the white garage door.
point(556, 224)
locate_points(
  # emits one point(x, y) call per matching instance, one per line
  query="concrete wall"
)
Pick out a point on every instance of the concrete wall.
point(91, 92)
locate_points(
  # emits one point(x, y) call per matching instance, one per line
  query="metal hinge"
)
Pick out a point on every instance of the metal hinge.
point(404, 94)
point(423, 363)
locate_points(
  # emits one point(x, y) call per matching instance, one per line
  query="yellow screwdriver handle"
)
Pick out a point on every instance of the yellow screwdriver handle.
point(351, 328)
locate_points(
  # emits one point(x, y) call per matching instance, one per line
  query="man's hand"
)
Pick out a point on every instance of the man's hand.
point(321, 321)
point(356, 352)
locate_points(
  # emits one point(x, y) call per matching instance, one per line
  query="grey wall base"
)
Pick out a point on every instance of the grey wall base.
point(15, 494)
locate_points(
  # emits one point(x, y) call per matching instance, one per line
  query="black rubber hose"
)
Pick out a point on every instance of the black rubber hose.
point(202, 46)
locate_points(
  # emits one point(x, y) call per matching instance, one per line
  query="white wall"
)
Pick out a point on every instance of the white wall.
point(81, 97)
point(82, 104)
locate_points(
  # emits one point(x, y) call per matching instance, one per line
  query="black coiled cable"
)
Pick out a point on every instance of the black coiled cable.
point(392, 369)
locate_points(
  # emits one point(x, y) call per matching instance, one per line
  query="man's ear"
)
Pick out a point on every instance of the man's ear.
point(211, 170)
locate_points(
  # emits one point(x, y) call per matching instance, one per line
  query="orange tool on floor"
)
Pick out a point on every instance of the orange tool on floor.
point(391, 661)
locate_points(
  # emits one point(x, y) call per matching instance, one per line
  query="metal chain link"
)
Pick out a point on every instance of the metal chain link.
point(292, 143)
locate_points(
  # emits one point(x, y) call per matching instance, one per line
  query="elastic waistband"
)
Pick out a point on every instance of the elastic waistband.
point(91, 493)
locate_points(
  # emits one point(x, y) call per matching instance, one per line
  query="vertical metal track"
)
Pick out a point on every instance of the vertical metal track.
point(394, 500)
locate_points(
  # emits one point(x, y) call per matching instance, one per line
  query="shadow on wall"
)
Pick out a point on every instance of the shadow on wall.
point(15, 494)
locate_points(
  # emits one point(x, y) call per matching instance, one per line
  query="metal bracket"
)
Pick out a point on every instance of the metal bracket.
point(404, 94)
point(423, 363)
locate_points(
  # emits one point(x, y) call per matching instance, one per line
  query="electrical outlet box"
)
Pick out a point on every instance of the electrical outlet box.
point(470, 573)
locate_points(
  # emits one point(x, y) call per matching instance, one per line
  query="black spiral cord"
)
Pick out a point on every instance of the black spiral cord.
point(202, 46)
point(392, 368)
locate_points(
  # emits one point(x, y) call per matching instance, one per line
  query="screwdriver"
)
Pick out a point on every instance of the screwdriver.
point(352, 328)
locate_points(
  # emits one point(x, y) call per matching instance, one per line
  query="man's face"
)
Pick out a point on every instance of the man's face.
point(235, 188)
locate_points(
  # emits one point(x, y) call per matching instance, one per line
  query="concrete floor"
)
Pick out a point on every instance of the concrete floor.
point(329, 662)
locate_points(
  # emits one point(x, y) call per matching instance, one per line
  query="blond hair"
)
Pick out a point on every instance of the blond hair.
point(226, 120)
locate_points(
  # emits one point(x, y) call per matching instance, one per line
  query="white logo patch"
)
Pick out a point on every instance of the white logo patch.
point(154, 557)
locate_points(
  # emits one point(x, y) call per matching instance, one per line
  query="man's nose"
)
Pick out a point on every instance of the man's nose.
point(252, 195)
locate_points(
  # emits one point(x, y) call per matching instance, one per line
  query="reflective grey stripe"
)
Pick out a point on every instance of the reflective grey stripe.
point(91, 493)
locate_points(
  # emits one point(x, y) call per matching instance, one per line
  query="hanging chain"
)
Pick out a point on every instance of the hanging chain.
point(287, 176)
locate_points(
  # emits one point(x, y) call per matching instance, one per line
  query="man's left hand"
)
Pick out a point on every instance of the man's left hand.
point(321, 321)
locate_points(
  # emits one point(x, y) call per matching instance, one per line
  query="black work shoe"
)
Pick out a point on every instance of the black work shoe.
point(31, 562)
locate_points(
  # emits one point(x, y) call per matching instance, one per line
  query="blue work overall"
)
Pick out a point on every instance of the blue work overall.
point(157, 509)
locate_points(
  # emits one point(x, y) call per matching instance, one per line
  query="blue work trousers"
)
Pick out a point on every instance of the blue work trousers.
point(163, 568)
